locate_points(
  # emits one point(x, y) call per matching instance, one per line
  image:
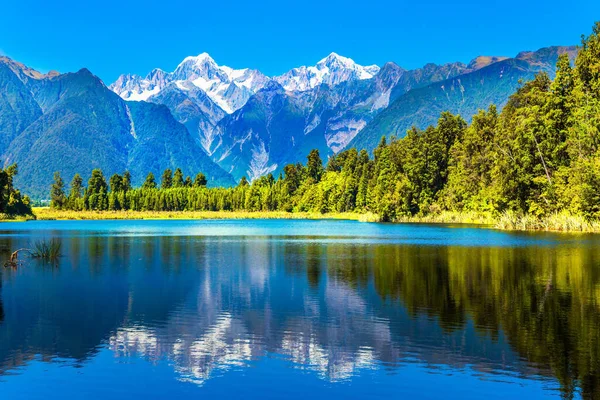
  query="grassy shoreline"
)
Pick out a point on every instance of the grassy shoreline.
point(47, 214)
point(560, 222)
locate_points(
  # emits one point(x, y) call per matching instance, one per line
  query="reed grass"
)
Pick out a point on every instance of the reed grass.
point(451, 217)
point(48, 250)
point(558, 222)
point(15, 218)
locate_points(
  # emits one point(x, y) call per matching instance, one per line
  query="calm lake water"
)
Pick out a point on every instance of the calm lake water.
point(301, 309)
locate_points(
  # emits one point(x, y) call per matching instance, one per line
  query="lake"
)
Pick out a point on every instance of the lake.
point(297, 309)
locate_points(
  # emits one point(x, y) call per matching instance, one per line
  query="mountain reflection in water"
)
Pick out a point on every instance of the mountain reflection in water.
point(208, 305)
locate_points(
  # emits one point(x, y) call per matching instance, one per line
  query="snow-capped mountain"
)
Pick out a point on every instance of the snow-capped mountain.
point(332, 70)
point(252, 125)
point(136, 88)
point(229, 88)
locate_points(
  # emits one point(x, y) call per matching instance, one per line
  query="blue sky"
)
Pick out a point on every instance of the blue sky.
point(117, 36)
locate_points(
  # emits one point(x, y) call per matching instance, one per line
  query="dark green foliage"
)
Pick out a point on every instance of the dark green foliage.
point(166, 181)
point(96, 194)
point(58, 199)
point(12, 203)
point(126, 181)
point(74, 202)
point(178, 179)
point(150, 182)
point(314, 167)
point(199, 180)
point(116, 183)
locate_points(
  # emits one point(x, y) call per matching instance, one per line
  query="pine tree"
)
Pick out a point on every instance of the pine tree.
point(58, 199)
point(314, 166)
point(166, 181)
point(243, 182)
point(11, 201)
point(76, 193)
point(150, 182)
point(178, 181)
point(116, 183)
point(127, 181)
point(200, 180)
point(96, 194)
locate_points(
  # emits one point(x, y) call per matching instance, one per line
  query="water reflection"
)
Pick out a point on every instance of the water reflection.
point(212, 304)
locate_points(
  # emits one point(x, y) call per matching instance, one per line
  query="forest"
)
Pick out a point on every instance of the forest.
point(12, 203)
point(539, 156)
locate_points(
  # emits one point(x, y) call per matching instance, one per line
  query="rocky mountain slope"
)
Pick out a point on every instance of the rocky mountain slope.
point(464, 94)
point(73, 123)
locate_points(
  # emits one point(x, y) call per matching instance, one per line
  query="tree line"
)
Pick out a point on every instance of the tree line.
point(12, 202)
point(539, 155)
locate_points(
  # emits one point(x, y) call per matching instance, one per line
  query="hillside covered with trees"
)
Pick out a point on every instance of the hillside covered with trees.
point(12, 203)
point(540, 155)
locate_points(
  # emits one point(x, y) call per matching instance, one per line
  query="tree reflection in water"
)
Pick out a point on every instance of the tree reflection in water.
point(209, 304)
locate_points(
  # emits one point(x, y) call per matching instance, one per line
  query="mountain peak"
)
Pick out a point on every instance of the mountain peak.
point(331, 70)
point(200, 59)
point(23, 71)
point(483, 61)
point(227, 87)
point(335, 58)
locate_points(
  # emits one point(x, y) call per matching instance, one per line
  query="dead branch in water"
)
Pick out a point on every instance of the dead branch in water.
point(13, 261)
point(47, 250)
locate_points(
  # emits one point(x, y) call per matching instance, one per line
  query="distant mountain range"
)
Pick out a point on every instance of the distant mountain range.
point(489, 81)
point(73, 123)
point(230, 123)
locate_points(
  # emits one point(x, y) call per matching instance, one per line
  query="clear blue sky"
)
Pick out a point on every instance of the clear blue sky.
point(117, 36)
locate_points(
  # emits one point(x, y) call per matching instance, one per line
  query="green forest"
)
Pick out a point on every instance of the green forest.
point(539, 156)
point(12, 203)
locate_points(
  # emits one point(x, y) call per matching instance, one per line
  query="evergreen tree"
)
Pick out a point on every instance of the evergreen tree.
point(58, 199)
point(12, 203)
point(116, 183)
point(166, 181)
point(314, 167)
point(127, 181)
point(178, 181)
point(150, 182)
point(243, 182)
point(76, 193)
point(200, 180)
point(96, 194)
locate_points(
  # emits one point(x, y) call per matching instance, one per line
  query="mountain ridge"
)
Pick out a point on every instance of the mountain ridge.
point(491, 84)
point(78, 124)
point(182, 120)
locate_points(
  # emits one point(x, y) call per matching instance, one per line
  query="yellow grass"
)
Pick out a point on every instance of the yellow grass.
point(45, 213)
point(560, 222)
point(10, 218)
point(450, 217)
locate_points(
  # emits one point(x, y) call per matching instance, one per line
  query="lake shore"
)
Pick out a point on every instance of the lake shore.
point(47, 214)
point(560, 222)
